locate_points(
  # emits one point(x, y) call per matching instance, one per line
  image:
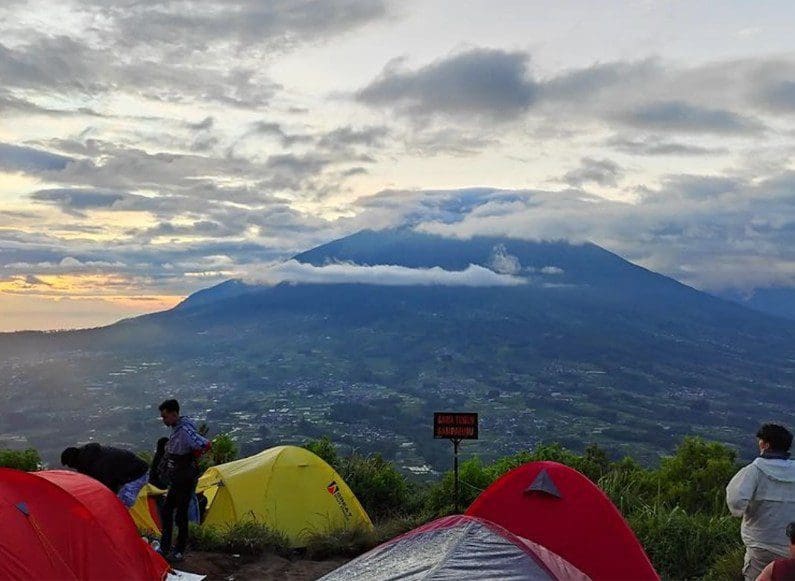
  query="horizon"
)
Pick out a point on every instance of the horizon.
point(149, 153)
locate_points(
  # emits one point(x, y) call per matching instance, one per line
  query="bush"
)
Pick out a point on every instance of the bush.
point(326, 449)
point(695, 477)
point(594, 463)
point(626, 485)
point(224, 449)
point(27, 460)
point(474, 477)
point(682, 545)
point(382, 490)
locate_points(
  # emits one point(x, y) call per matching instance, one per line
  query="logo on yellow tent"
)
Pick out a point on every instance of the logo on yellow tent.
point(334, 490)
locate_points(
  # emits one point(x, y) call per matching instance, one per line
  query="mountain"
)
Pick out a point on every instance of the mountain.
point(776, 301)
point(589, 347)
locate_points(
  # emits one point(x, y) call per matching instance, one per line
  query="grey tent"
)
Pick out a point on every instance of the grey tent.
point(458, 548)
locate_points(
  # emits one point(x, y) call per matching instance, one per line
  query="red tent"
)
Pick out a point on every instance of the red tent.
point(561, 509)
point(458, 547)
point(63, 525)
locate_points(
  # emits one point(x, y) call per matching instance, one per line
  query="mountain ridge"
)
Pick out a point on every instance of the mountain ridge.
point(593, 348)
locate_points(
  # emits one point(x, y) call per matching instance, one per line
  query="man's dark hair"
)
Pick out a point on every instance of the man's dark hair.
point(69, 457)
point(170, 405)
point(779, 437)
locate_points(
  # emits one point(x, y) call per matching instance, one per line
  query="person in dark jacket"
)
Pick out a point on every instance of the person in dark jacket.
point(157, 468)
point(120, 470)
point(782, 569)
point(183, 449)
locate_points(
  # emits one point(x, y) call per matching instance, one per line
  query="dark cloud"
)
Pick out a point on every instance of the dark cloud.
point(684, 117)
point(297, 165)
point(56, 63)
point(584, 85)
point(271, 129)
point(75, 201)
point(201, 229)
point(657, 146)
point(347, 136)
point(598, 171)
point(193, 26)
point(15, 158)
point(64, 65)
point(699, 187)
point(355, 171)
point(448, 141)
point(779, 96)
point(482, 82)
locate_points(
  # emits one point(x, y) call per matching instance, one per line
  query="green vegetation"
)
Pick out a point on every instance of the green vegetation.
point(383, 491)
point(247, 537)
point(677, 509)
point(28, 460)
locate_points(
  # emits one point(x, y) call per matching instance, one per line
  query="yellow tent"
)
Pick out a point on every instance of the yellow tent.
point(288, 488)
point(145, 509)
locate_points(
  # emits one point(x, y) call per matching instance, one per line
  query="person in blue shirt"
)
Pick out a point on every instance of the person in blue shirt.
point(181, 470)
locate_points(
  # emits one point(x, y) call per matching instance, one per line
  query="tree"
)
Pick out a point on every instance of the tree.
point(695, 477)
point(224, 449)
point(28, 460)
point(326, 449)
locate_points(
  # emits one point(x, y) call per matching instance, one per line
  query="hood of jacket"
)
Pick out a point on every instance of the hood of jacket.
point(184, 421)
point(780, 470)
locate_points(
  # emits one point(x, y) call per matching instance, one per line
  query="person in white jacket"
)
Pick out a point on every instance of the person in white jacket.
point(763, 494)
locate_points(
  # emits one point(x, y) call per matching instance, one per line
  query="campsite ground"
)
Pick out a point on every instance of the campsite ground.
point(221, 566)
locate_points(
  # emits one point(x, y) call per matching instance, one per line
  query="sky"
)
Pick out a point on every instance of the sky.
point(151, 148)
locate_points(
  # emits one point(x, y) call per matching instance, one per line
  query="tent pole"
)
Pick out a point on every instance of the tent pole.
point(456, 442)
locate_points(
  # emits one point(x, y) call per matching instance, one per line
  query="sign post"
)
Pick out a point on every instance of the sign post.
point(455, 426)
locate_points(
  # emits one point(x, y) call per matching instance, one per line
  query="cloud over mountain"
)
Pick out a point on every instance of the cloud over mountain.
point(293, 271)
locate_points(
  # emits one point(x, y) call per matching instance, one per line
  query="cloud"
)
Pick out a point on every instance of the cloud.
point(203, 125)
point(503, 262)
point(198, 229)
point(293, 271)
point(271, 129)
point(483, 82)
point(598, 171)
point(19, 158)
point(585, 85)
point(684, 117)
point(34, 281)
point(779, 96)
point(276, 24)
point(658, 146)
point(699, 186)
point(75, 201)
point(372, 136)
point(66, 66)
point(712, 232)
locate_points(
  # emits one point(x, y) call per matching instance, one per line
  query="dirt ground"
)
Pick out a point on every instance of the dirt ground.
point(220, 566)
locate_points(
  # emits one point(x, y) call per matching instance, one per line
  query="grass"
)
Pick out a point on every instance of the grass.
point(728, 567)
point(247, 537)
point(353, 542)
point(682, 545)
